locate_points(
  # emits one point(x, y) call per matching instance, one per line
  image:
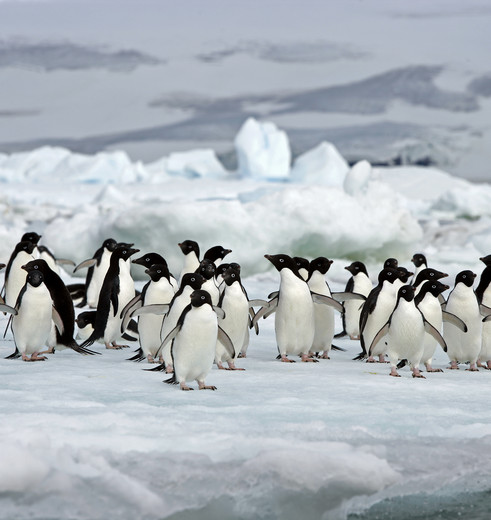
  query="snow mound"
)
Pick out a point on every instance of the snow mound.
point(263, 151)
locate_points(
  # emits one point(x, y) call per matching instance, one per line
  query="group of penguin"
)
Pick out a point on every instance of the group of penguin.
point(204, 316)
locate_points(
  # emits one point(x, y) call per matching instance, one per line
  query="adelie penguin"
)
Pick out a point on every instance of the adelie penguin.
point(117, 290)
point(216, 254)
point(483, 294)
point(97, 268)
point(190, 250)
point(31, 325)
point(15, 276)
point(302, 266)
point(63, 304)
point(404, 333)
point(150, 259)
point(207, 269)
point(420, 263)
point(464, 347)
point(194, 342)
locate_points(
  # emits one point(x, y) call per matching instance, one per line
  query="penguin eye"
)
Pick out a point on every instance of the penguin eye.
point(463, 276)
point(202, 297)
point(147, 259)
point(36, 267)
point(124, 252)
point(233, 276)
point(281, 260)
point(159, 271)
point(193, 279)
point(433, 286)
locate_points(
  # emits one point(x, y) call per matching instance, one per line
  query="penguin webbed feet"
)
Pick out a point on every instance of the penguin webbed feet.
point(202, 386)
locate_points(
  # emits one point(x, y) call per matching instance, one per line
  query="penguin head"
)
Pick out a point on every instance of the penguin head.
point(406, 292)
point(216, 252)
point(282, 261)
point(388, 275)
point(158, 271)
point(404, 274)
point(26, 246)
point(301, 263)
point(418, 260)
point(434, 287)
point(188, 246)
point(37, 265)
point(110, 244)
point(430, 275)
point(35, 278)
point(321, 264)
point(31, 237)
point(194, 280)
point(486, 260)
point(220, 270)
point(466, 277)
point(124, 252)
point(231, 275)
point(206, 268)
point(200, 297)
point(391, 262)
point(150, 259)
point(85, 318)
point(356, 267)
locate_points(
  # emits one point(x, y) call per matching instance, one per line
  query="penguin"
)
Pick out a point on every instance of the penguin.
point(85, 324)
point(216, 254)
point(420, 263)
point(483, 294)
point(235, 304)
point(323, 314)
point(464, 347)
point(403, 277)
point(150, 259)
point(32, 236)
point(427, 301)
point(391, 263)
point(98, 266)
point(31, 325)
point(117, 290)
point(359, 283)
point(425, 275)
point(63, 304)
point(15, 276)
point(190, 250)
point(194, 340)
point(54, 263)
point(404, 333)
point(207, 269)
point(376, 311)
point(159, 290)
point(303, 266)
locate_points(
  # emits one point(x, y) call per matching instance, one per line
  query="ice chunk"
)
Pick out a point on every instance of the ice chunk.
point(356, 180)
point(321, 165)
point(263, 151)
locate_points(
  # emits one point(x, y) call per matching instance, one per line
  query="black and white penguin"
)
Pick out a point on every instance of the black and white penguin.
point(323, 314)
point(483, 294)
point(32, 236)
point(303, 266)
point(376, 311)
point(159, 290)
point(194, 342)
point(63, 304)
point(190, 250)
point(15, 276)
point(391, 263)
point(117, 290)
point(235, 304)
point(426, 275)
point(464, 347)
point(294, 319)
point(97, 268)
point(207, 269)
point(31, 325)
point(359, 283)
point(404, 332)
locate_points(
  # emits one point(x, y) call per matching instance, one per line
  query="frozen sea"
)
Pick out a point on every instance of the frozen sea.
point(98, 437)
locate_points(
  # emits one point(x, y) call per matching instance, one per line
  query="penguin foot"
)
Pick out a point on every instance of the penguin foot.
point(202, 386)
point(370, 359)
point(34, 357)
point(241, 355)
point(419, 375)
point(433, 370)
point(185, 387)
point(325, 356)
point(231, 366)
point(395, 374)
point(51, 350)
point(472, 368)
point(453, 365)
point(354, 338)
point(169, 369)
point(284, 359)
point(381, 359)
point(307, 359)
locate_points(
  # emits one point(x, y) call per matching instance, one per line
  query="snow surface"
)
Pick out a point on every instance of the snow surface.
point(98, 437)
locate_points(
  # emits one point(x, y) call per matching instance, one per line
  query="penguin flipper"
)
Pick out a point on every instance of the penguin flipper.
point(219, 312)
point(484, 310)
point(90, 262)
point(327, 300)
point(251, 323)
point(128, 309)
point(7, 308)
point(274, 295)
point(64, 261)
point(380, 334)
point(139, 356)
point(55, 316)
point(435, 334)
point(441, 299)
point(172, 380)
point(258, 303)
point(155, 308)
point(454, 320)
point(345, 295)
point(265, 310)
point(225, 340)
point(14, 355)
point(172, 334)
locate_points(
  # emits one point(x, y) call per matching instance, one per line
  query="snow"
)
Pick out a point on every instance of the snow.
point(98, 437)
